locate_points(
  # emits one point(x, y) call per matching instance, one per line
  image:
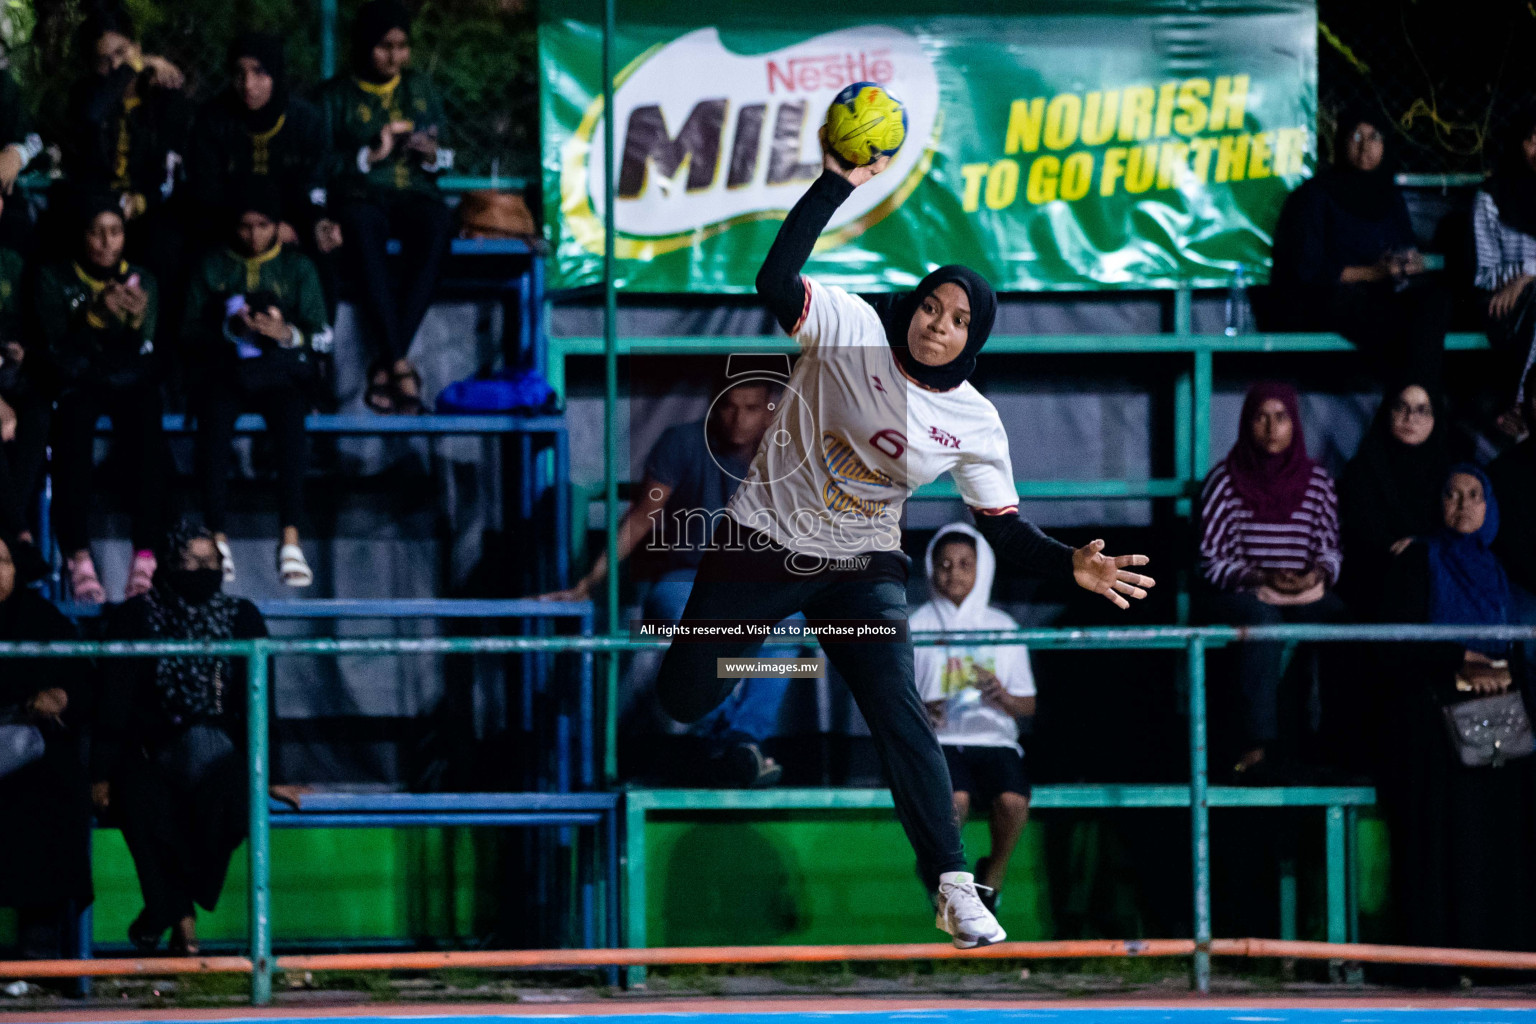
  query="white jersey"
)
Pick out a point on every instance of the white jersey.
point(853, 437)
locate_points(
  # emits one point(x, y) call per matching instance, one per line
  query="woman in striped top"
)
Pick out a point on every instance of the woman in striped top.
point(1269, 553)
point(1504, 227)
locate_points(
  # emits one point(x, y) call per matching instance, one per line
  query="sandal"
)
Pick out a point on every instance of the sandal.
point(184, 937)
point(407, 402)
point(226, 561)
point(380, 394)
point(141, 575)
point(84, 585)
point(292, 566)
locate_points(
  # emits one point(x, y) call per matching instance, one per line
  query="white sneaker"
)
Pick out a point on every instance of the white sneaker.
point(962, 914)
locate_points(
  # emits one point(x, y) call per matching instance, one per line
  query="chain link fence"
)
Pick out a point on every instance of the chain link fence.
point(1448, 76)
point(482, 55)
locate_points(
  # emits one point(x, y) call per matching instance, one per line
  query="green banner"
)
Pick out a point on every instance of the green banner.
point(1099, 144)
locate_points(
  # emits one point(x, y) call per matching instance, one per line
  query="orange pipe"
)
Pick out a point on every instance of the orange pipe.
point(661, 956)
point(1374, 954)
point(155, 965)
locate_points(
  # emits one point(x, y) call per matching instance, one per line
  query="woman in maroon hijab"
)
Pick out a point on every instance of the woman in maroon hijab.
point(1269, 553)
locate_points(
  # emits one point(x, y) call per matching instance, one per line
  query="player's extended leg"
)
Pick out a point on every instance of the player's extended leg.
point(880, 675)
point(731, 587)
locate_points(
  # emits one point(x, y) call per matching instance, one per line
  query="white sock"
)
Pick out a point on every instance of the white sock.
point(956, 878)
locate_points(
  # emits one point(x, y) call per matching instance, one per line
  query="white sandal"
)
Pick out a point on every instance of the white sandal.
point(293, 567)
point(226, 560)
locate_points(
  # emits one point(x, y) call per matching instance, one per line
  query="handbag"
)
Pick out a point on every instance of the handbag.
point(1488, 731)
point(20, 745)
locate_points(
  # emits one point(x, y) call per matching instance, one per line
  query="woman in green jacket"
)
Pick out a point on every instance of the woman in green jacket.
point(255, 318)
point(386, 123)
point(97, 315)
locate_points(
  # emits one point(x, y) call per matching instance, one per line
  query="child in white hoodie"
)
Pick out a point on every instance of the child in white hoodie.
point(976, 695)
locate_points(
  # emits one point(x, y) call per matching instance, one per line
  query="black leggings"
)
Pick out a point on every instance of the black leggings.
point(21, 460)
point(138, 437)
point(753, 584)
point(424, 227)
point(283, 402)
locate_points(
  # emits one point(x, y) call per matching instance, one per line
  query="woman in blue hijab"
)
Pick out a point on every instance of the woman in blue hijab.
point(1462, 838)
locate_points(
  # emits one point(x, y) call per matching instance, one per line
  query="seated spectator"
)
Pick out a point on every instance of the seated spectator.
point(1346, 259)
point(168, 757)
point(255, 315)
point(690, 475)
point(1513, 475)
point(976, 696)
point(1390, 492)
point(1461, 836)
point(125, 133)
point(45, 868)
point(97, 315)
point(25, 408)
point(386, 124)
point(256, 128)
point(1504, 226)
point(1269, 553)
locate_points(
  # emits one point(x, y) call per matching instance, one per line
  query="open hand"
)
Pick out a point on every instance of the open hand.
point(582, 591)
point(856, 175)
point(1106, 574)
point(1503, 301)
point(7, 422)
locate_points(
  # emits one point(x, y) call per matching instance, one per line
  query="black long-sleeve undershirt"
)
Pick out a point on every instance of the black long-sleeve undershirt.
point(1022, 546)
point(779, 282)
point(1017, 543)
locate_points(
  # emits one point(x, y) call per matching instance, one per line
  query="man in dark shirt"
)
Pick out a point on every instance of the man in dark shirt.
point(1514, 483)
point(690, 474)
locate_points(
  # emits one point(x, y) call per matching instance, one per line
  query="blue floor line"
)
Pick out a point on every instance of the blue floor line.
point(1085, 1015)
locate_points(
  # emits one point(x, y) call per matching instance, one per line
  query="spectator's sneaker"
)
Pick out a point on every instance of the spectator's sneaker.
point(963, 915)
point(141, 575)
point(744, 765)
point(84, 585)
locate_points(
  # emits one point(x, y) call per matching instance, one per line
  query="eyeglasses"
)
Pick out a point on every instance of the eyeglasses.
point(1406, 411)
point(1366, 136)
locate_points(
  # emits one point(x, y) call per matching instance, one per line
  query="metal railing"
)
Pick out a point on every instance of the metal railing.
point(1193, 641)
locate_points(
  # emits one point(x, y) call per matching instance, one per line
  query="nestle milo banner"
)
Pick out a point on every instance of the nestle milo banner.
point(1097, 144)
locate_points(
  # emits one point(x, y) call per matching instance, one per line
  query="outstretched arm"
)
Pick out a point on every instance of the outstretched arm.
point(1023, 546)
point(779, 282)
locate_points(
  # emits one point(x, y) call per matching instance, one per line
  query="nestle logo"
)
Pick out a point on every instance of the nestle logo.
point(833, 71)
point(944, 437)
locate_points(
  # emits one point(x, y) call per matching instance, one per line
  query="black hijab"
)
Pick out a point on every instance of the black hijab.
point(254, 193)
point(375, 20)
point(89, 206)
point(1400, 483)
point(267, 50)
point(1370, 195)
point(188, 688)
point(896, 312)
point(1513, 185)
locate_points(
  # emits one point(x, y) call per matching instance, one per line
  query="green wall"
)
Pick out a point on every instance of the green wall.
point(326, 884)
point(831, 876)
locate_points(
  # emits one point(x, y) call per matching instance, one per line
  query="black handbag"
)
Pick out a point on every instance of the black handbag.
point(1488, 731)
